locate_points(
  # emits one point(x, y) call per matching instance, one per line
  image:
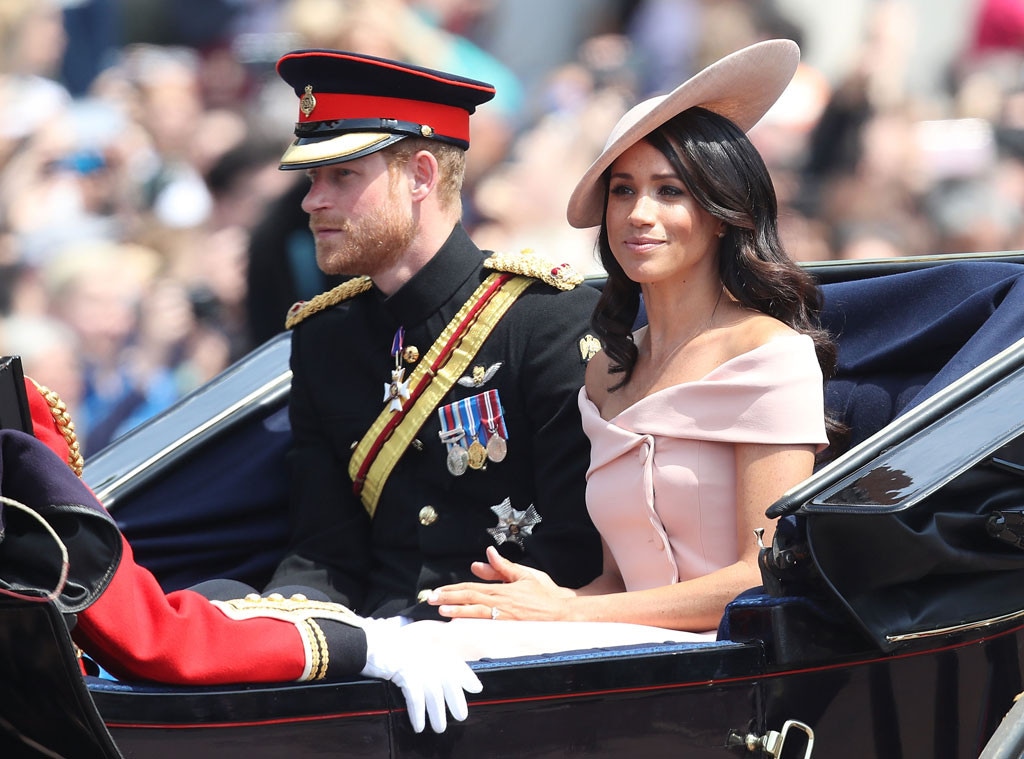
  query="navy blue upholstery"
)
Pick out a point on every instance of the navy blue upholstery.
point(224, 515)
point(905, 336)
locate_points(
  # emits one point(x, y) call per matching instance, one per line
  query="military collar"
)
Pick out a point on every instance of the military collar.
point(436, 283)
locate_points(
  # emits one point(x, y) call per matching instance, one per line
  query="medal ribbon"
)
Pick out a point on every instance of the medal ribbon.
point(494, 420)
point(434, 376)
point(397, 344)
point(450, 433)
point(468, 418)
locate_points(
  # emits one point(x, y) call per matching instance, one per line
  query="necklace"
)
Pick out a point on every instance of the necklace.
point(700, 330)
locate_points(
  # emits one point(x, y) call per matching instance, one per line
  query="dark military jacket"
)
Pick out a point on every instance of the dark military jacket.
point(429, 525)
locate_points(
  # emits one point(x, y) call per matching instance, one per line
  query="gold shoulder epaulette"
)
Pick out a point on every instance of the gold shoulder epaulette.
point(529, 264)
point(350, 288)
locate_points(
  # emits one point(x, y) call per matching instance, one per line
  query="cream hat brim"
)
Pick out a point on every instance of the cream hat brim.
point(741, 86)
point(306, 153)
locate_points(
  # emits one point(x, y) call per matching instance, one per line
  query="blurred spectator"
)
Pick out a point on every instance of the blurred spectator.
point(32, 42)
point(93, 36)
point(98, 290)
point(141, 206)
point(49, 353)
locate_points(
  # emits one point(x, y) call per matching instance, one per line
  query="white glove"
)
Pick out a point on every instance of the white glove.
point(417, 658)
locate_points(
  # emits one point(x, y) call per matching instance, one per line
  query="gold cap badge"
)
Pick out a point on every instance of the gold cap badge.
point(308, 101)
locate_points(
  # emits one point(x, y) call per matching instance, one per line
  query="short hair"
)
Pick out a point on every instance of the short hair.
point(451, 161)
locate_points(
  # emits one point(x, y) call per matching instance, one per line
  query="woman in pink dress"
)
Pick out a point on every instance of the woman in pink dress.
point(704, 417)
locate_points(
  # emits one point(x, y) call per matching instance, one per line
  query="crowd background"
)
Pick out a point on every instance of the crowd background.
point(147, 238)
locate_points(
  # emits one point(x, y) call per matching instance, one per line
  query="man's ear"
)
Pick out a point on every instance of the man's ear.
point(424, 174)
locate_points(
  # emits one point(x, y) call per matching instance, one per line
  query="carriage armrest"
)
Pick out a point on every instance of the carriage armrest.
point(791, 628)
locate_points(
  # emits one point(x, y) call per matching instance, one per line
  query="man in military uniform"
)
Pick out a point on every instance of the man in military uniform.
point(434, 396)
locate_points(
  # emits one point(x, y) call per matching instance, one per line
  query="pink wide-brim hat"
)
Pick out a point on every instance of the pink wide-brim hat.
point(741, 86)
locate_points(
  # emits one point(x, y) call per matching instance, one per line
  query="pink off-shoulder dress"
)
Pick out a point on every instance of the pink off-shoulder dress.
point(661, 487)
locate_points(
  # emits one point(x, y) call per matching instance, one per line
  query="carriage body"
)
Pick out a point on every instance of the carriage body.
point(890, 623)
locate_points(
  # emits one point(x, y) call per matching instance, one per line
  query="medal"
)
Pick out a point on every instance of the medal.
point(452, 435)
point(473, 431)
point(476, 456)
point(397, 390)
point(457, 460)
point(513, 526)
point(470, 420)
point(496, 448)
point(494, 422)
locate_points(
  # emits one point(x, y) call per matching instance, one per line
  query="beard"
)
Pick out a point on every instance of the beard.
point(372, 243)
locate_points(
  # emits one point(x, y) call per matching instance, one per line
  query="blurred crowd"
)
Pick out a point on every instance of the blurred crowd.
point(147, 238)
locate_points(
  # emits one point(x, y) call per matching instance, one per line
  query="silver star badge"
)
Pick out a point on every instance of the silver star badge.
point(513, 526)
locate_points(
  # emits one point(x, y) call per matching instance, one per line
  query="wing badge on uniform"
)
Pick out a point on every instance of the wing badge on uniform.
point(513, 525)
point(480, 375)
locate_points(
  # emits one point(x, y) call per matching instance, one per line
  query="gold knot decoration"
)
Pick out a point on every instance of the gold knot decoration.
point(529, 264)
point(350, 288)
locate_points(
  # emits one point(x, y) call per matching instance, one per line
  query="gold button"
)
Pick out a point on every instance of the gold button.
point(428, 515)
point(423, 595)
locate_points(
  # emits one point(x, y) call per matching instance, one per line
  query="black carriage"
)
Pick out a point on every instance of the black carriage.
point(890, 622)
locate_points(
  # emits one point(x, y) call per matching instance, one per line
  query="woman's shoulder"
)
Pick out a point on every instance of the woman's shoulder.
point(749, 330)
point(597, 379)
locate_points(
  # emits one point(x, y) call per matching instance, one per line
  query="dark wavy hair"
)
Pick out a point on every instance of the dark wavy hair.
point(726, 176)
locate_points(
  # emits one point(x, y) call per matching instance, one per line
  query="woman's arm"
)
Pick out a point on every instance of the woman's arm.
point(764, 473)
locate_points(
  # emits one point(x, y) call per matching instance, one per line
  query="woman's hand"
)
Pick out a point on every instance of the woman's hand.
point(512, 592)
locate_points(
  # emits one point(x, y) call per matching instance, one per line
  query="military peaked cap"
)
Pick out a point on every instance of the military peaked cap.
point(351, 105)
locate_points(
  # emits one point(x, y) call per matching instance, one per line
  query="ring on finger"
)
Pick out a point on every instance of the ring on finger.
point(494, 612)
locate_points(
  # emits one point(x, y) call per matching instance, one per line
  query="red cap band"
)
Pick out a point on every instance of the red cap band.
point(447, 120)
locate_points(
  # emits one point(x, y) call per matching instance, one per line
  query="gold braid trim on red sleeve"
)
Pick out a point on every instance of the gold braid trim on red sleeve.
point(65, 426)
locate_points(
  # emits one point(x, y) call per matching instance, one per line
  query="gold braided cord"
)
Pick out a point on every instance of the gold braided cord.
point(442, 379)
point(59, 410)
point(319, 650)
point(350, 288)
point(529, 264)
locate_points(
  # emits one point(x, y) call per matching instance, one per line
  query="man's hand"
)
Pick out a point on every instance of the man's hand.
point(417, 659)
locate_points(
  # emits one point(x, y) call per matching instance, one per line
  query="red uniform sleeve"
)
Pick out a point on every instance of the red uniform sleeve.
point(136, 631)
